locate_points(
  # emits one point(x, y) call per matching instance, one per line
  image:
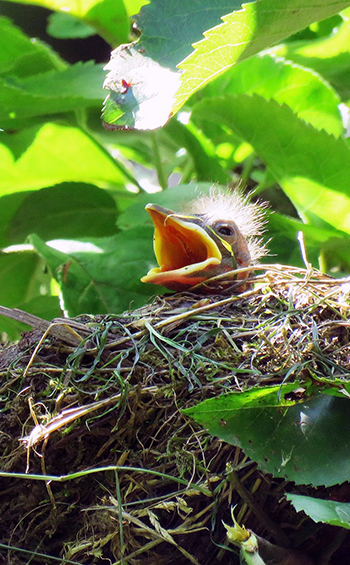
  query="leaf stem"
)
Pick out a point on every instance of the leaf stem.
point(158, 163)
point(81, 121)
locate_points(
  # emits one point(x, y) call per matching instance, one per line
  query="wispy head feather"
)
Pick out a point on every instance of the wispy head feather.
point(237, 207)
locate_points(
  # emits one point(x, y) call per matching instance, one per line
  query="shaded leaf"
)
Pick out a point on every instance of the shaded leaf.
point(69, 210)
point(334, 245)
point(170, 28)
point(101, 275)
point(46, 307)
point(206, 163)
point(8, 206)
point(173, 199)
point(326, 511)
point(300, 442)
point(22, 280)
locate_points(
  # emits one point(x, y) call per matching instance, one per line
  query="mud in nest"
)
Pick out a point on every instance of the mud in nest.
point(94, 406)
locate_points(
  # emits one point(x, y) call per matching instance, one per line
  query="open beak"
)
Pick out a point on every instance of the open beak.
point(185, 252)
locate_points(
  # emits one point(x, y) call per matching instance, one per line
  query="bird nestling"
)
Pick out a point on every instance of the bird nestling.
point(218, 235)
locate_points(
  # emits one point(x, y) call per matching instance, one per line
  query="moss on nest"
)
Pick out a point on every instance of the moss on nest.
point(96, 411)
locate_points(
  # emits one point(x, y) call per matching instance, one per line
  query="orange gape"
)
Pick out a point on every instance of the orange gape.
point(193, 248)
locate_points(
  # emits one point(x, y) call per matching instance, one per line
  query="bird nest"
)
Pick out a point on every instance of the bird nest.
point(99, 464)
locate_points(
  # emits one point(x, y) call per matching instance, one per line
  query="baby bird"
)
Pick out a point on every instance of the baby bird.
point(218, 236)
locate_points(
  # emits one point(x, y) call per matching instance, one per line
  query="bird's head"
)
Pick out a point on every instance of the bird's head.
point(218, 236)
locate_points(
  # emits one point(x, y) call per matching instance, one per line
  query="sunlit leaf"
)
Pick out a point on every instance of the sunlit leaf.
point(53, 92)
point(246, 32)
point(146, 72)
point(329, 56)
point(22, 56)
point(312, 166)
point(307, 93)
point(108, 18)
point(51, 154)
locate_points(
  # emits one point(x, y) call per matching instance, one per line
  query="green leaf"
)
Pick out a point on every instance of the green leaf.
point(326, 511)
point(69, 210)
point(140, 90)
point(78, 86)
point(303, 442)
point(22, 280)
point(243, 34)
point(329, 55)
point(108, 18)
point(170, 28)
point(206, 164)
point(311, 166)
point(22, 56)
point(149, 67)
point(51, 154)
point(174, 199)
point(46, 307)
point(101, 275)
point(305, 92)
point(65, 26)
point(8, 206)
point(144, 76)
point(334, 245)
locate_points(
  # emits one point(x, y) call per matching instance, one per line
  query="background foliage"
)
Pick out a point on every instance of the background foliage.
point(73, 231)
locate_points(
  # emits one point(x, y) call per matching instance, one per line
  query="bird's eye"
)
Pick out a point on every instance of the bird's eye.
point(226, 230)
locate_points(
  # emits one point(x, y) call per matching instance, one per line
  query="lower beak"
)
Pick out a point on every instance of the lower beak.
point(185, 252)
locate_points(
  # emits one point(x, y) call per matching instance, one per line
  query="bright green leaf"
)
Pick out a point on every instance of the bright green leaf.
point(108, 18)
point(51, 154)
point(22, 56)
point(144, 75)
point(301, 89)
point(244, 33)
point(73, 88)
point(134, 6)
point(312, 167)
point(65, 26)
point(326, 511)
point(329, 56)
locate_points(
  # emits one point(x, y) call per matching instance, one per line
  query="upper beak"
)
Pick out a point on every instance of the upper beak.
point(184, 250)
